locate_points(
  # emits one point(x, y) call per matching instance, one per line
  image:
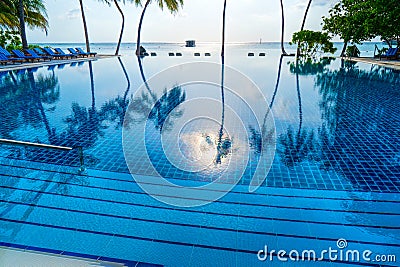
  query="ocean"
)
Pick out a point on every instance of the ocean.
point(366, 49)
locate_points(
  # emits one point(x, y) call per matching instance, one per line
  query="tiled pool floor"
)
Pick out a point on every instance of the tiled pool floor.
point(106, 214)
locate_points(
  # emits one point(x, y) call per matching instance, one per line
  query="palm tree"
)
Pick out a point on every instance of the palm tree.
point(305, 15)
point(22, 30)
point(303, 23)
point(108, 2)
point(6, 15)
point(16, 14)
point(172, 6)
point(223, 32)
point(85, 26)
point(283, 29)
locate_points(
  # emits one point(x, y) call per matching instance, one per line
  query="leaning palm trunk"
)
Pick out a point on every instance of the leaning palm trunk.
point(122, 27)
point(302, 25)
point(223, 30)
point(22, 29)
point(305, 15)
point(283, 30)
point(85, 26)
point(271, 104)
point(343, 53)
point(140, 27)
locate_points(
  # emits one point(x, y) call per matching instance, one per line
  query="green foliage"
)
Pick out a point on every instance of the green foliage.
point(352, 51)
point(385, 19)
point(35, 14)
point(307, 66)
point(310, 43)
point(356, 21)
point(9, 39)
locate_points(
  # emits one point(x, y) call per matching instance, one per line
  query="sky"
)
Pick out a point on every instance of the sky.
point(201, 20)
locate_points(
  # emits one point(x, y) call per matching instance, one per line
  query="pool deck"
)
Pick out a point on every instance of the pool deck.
point(29, 65)
point(394, 64)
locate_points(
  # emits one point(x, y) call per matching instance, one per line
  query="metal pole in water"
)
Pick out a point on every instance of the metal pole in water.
point(81, 158)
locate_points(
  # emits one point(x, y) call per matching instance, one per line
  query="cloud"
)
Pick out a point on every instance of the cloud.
point(318, 3)
point(75, 13)
point(323, 2)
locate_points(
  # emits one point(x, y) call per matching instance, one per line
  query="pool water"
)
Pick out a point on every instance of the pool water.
point(337, 130)
point(335, 172)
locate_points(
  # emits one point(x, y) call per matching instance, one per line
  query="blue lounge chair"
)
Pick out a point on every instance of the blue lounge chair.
point(34, 54)
point(51, 53)
point(74, 52)
point(40, 52)
point(80, 51)
point(20, 54)
point(61, 52)
point(8, 54)
point(4, 59)
point(391, 53)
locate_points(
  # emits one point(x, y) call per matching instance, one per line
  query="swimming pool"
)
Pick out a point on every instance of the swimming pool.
point(335, 173)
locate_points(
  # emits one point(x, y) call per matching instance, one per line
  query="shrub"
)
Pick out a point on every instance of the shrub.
point(310, 43)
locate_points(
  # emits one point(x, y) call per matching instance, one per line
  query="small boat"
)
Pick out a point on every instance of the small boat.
point(190, 43)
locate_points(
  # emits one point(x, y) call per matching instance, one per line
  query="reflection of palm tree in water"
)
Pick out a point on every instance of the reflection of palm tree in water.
point(224, 145)
point(43, 88)
point(257, 139)
point(84, 125)
point(161, 110)
point(296, 147)
point(39, 87)
point(117, 107)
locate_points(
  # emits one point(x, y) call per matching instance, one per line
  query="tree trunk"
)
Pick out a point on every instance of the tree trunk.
point(221, 129)
point(303, 24)
point(388, 42)
point(92, 85)
point(122, 27)
point(22, 30)
point(283, 30)
point(125, 103)
point(299, 99)
point(153, 96)
point(342, 54)
point(264, 130)
point(305, 15)
point(85, 27)
point(140, 28)
point(223, 30)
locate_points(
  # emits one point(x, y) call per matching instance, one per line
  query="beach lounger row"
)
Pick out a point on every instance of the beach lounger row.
point(40, 54)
